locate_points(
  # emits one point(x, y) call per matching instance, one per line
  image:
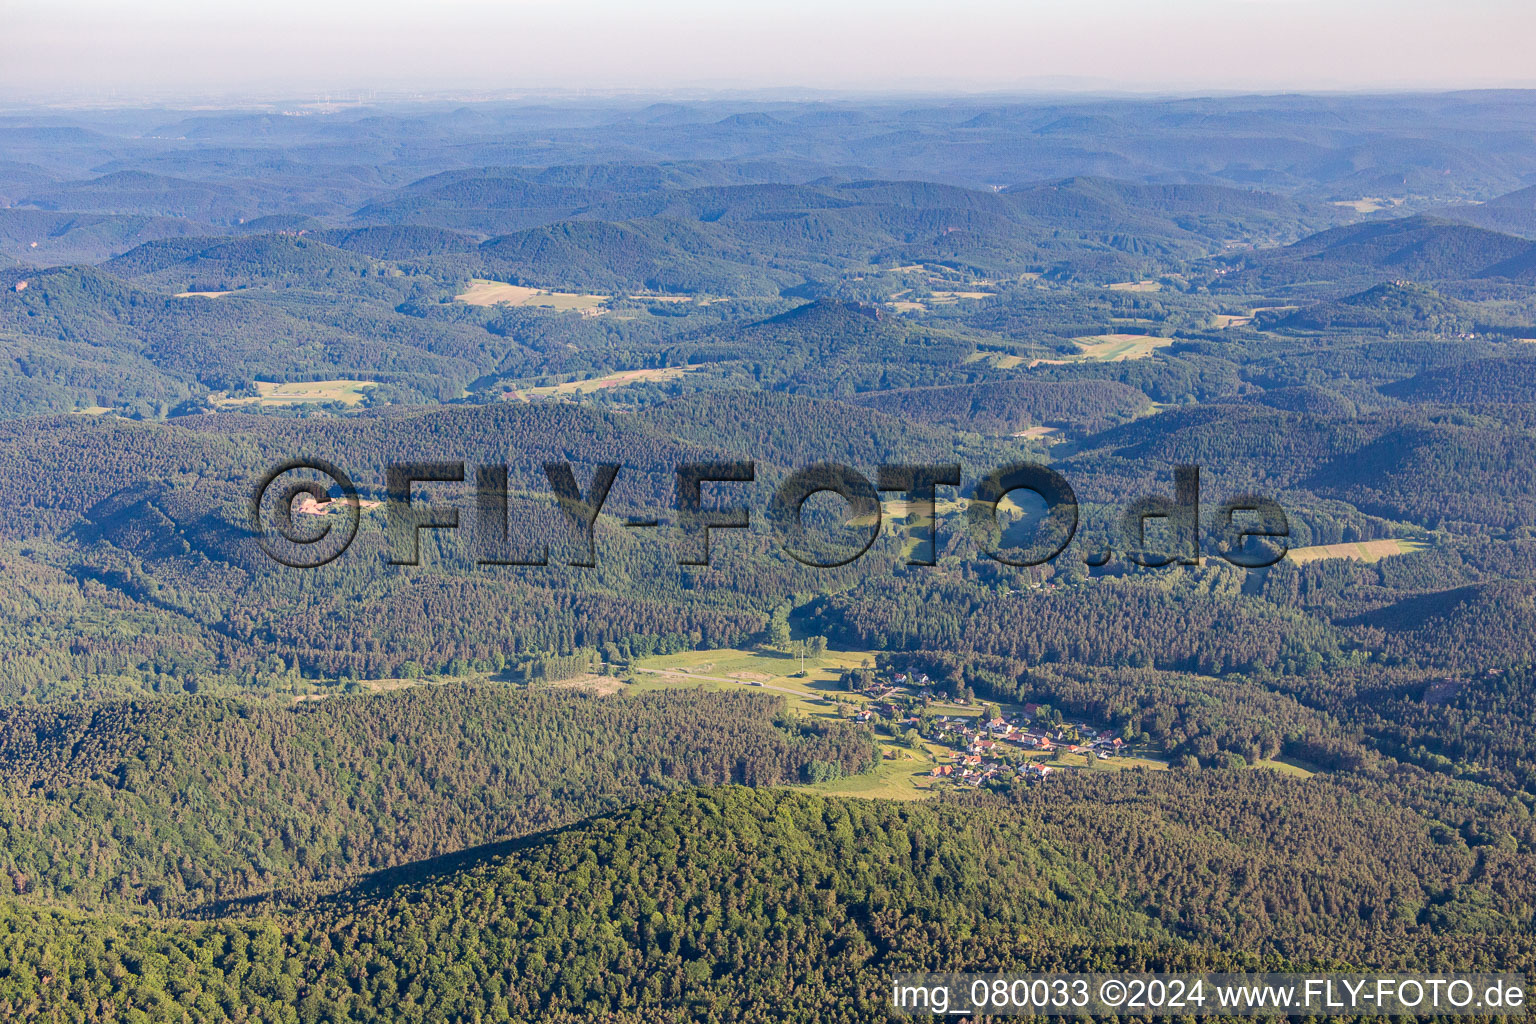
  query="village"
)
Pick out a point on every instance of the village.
point(931, 735)
point(984, 749)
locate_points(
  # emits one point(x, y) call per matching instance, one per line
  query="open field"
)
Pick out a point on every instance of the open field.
point(390, 684)
point(814, 695)
point(492, 293)
point(1135, 286)
point(612, 380)
point(602, 686)
point(905, 775)
point(1287, 766)
point(1365, 550)
point(1000, 360)
point(1367, 204)
point(199, 295)
point(347, 392)
point(945, 297)
point(1225, 320)
point(903, 303)
point(1119, 763)
point(724, 667)
point(1114, 348)
point(902, 774)
point(897, 508)
point(497, 293)
point(1110, 348)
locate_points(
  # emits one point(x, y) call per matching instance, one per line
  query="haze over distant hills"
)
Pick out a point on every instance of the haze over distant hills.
point(574, 777)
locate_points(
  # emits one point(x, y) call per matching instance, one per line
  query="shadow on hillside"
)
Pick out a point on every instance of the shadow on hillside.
point(380, 883)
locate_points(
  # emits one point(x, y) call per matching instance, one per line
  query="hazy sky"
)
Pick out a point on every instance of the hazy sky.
point(295, 47)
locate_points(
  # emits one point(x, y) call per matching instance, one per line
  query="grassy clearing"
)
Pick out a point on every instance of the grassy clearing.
point(591, 305)
point(1364, 551)
point(737, 666)
point(347, 392)
point(1110, 348)
point(1135, 286)
point(814, 695)
point(497, 293)
point(612, 380)
point(1367, 204)
point(1288, 766)
point(998, 360)
point(947, 297)
point(200, 295)
point(492, 293)
point(1119, 763)
point(904, 301)
point(1115, 348)
point(1123, 761)
point(902, 774)
point(392, 684)
point(602, 686)
point(1034, 433)
point(1225, 320)
point(898, 514)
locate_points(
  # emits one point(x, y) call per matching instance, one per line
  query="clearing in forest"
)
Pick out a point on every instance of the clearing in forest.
point(347, 392)
point(1363, 550)
point(498, 293)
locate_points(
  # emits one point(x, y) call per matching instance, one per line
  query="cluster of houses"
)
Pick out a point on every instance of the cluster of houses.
point(983, 751)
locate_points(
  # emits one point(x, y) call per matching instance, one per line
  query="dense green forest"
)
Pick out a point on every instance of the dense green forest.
point(236, 790)
point(175, 804)
point(729, 904)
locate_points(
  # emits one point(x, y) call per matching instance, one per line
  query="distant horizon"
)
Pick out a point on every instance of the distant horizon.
point(83, 51)
point(362, 97)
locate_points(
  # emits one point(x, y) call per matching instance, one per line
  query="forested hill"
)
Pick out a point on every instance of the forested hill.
point(745, 905)
point(1513, 213)
point(1006, 407)
point(531, 780)
point(1477, 382)
point(1417, 248)
point(1395, 308)
point(169, 805)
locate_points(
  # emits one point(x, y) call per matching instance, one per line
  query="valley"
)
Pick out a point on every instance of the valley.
point(550, 768)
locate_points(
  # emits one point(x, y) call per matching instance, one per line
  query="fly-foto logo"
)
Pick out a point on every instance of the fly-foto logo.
point(1250, 530)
